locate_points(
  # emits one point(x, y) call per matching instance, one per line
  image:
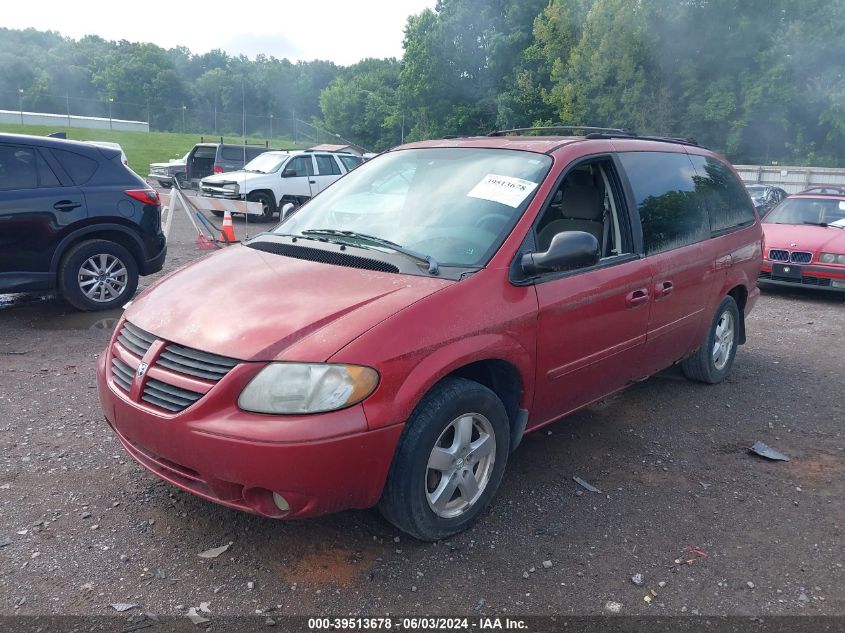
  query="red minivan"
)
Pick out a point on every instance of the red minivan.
point(391, 342)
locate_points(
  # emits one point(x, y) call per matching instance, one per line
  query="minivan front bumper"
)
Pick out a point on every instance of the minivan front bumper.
point(232, 457)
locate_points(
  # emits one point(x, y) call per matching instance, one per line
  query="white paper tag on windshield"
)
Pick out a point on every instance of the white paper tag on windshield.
point(842, 205)
point(503, 189)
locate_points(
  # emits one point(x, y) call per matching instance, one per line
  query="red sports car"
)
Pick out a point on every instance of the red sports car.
point(805, 242)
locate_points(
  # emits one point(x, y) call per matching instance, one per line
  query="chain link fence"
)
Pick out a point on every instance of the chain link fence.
point(186, 119)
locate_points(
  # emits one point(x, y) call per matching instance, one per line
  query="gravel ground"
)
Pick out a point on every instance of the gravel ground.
point(82, 526)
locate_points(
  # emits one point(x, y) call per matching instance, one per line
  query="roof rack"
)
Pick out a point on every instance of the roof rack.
point(558, 128)
point(598, 133)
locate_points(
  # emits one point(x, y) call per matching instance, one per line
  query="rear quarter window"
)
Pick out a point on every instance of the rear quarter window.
point(725, 196)
point(351, 162)
point(232, 153)
point(79, 168)
point(672, 211)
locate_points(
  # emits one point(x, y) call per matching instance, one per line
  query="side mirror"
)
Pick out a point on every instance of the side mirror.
point(288, 209)
point(568, 250)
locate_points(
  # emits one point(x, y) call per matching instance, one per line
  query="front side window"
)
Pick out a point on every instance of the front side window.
point(17, 168)
point(454, 204)
point(672, 213)
point(299, 166)
point(724, 194)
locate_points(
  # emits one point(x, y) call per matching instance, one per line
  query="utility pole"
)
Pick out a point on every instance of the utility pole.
point(184, 107)
point(294, 126)
point(20, 103)
point(271, 126)
point(243, 108)
point(111, 100)
point(67, 105)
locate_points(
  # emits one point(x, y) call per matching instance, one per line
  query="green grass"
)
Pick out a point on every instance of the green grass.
point(141, 148)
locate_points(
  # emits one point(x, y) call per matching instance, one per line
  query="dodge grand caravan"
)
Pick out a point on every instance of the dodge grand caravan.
point(391, 343)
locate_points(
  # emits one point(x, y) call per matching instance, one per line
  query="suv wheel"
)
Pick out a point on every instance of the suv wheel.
point(267, 204)
point(714, 359)
point(449, 462)
point(98, 275)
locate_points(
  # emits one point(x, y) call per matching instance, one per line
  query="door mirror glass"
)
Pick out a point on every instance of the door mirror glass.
point(568, 250)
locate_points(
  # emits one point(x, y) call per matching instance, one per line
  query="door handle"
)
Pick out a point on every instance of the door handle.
point(66, 205)
point(313, 182)
point(724, 262)
point(663, 289)
point(637, 298)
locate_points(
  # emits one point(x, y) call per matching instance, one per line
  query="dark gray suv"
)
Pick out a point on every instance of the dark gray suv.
point(206, 159)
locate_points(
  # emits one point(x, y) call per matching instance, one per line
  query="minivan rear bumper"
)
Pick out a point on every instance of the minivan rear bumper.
point(313, 476)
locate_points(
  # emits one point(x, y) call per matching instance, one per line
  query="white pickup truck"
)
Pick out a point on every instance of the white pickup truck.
point(277, 178)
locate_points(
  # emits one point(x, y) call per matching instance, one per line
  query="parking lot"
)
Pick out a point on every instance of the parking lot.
point(711, 528)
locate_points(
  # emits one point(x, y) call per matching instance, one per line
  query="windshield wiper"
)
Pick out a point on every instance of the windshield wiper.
point(823, 224)
point(428, 260)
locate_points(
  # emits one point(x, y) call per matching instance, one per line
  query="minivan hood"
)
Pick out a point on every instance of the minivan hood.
point(806, 237)
point(253, 305)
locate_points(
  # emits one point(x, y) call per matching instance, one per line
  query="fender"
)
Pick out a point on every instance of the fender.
point(444, 360)
point(74, 236)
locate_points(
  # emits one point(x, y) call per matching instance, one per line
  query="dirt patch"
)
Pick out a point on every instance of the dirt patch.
point(329, 567)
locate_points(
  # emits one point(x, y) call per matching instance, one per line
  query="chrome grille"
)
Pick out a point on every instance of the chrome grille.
point(122, 374)
point(195, 363)
point(779, 255)
point(135, 340)
point(801, 257)
point(167, 396)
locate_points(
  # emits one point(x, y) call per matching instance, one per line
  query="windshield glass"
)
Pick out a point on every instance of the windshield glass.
point(455, 204)
point(265, 163)
point(807, 210)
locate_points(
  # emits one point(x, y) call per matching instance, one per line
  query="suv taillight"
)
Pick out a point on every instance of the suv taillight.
point(218, 169)
point(145, 196)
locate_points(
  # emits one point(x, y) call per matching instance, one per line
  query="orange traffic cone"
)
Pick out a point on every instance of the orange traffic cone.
point(227, 229)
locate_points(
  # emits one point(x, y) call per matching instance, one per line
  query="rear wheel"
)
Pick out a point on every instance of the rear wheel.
point(268, 205)
point(98, 275)
point(714, 359)
point(449, 462)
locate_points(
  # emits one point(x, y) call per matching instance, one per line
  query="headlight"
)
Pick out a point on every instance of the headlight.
point(830, 258)
point(232, 186)
point(297, 388)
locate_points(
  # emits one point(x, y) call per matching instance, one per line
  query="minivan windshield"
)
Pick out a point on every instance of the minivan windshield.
point(820, 211)
point(265, 163)
point(455, 205)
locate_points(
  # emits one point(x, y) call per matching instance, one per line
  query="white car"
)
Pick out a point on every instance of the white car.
point(277, 178)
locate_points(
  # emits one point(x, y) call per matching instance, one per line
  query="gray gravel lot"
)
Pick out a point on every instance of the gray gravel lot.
point(82, 526)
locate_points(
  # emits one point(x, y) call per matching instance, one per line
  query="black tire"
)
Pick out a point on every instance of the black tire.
point(72, 275)
point(267, 202)
point(703, 366)
point(405, 501)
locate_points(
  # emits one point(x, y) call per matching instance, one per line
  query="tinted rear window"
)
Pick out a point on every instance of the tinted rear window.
point(79, 168)
point(671, 211)
point(205, 152)
point(232, 153)
point(351, 162)
point(727, 201)
point(327, 166)
point(252, 152)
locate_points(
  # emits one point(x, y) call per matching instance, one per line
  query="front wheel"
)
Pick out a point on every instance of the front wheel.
point(268, 205)
point(714, 359)
point(449, 462)
point(98, 275)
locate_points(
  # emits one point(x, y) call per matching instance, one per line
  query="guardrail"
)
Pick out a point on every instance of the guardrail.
point(791, 179)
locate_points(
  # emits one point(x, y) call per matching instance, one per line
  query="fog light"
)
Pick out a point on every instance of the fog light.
point(281, 502)
point(837, 284)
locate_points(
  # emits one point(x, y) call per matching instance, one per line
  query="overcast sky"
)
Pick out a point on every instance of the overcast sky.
point(343, 31)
